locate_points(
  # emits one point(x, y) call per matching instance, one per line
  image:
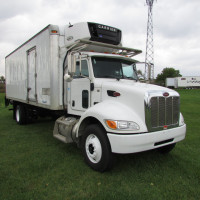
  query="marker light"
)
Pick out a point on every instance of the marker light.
point(116, 94)
point(54, 31)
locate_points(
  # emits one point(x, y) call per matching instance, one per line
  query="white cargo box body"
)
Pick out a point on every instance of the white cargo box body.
point(170, 82)
point(34, 71)
point(188, 82)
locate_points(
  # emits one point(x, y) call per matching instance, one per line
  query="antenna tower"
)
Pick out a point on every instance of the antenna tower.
point(149, 58)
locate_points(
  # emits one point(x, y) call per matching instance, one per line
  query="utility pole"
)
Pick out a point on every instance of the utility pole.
point(149, 58)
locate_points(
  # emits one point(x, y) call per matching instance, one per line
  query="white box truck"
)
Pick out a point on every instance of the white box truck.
point(84, 74)
point(170, 82)
point(183, 82)
point(188, 82)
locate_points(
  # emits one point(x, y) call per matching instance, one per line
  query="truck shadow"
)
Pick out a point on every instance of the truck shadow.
point(149, 161)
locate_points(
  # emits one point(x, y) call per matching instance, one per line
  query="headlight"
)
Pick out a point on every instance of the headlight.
point(122, 125)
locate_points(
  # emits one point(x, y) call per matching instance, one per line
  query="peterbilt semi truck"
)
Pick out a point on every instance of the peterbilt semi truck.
point(83, 74)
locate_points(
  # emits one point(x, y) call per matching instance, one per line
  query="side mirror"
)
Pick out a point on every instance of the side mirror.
point(71, 63)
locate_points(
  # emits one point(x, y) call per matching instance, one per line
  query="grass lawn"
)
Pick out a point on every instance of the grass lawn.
point(34, 165)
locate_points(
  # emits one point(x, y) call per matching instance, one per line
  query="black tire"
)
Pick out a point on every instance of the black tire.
point(20, 114)
point(95, 144)
point(14, 111)
point(166, 149)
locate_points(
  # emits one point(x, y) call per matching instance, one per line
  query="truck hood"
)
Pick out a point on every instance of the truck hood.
point(129, 86)
point(132, 94)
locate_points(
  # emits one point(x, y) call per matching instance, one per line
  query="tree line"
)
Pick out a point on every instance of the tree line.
point(168, 72)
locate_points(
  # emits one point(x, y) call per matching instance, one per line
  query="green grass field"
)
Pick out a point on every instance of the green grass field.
point(2, 87)
point(34, 165)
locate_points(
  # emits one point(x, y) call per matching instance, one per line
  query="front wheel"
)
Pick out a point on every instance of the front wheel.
point(96, 148)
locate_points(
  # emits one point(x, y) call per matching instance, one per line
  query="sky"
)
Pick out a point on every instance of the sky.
point(176, 26)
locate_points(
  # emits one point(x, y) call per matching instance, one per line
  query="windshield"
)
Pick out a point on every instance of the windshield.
point(105, 67)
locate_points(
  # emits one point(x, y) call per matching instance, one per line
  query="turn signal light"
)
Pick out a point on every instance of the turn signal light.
point(111, 124)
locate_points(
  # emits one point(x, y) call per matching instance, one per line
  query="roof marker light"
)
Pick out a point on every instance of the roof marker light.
point(54, 31)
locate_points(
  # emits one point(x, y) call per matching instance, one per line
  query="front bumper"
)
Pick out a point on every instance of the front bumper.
point(142, 142)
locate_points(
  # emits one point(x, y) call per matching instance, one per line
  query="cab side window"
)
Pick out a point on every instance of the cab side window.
point(84, 69)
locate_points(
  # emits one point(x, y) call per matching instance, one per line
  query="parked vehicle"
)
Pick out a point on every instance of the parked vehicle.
point(83, 74)
point(183, 82)
point(170, 82)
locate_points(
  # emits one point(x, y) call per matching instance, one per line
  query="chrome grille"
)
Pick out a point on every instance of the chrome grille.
point(162, 111)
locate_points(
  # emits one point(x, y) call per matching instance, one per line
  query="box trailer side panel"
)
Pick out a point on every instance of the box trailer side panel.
point(32, 71)
point(190, 81)
point(182, 82)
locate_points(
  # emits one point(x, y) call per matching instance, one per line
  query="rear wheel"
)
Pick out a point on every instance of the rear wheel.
point(96, 148)
point(20, 114)
point(166, 149)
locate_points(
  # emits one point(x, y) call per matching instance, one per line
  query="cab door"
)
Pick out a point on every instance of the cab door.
point(80, 88)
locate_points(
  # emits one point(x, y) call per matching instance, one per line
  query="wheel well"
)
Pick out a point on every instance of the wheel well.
point(87, 121)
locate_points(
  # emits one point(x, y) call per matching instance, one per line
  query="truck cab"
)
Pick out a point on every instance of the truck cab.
point(112, 111)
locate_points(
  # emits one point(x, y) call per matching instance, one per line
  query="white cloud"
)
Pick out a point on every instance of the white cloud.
point(10, 8)
point(177, 20)
point(176, 26)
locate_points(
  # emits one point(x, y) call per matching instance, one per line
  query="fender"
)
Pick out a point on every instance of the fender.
point(109, 109)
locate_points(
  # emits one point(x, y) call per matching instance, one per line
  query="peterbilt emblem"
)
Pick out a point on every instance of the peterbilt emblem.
point(165, 127)
point(165, 94)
